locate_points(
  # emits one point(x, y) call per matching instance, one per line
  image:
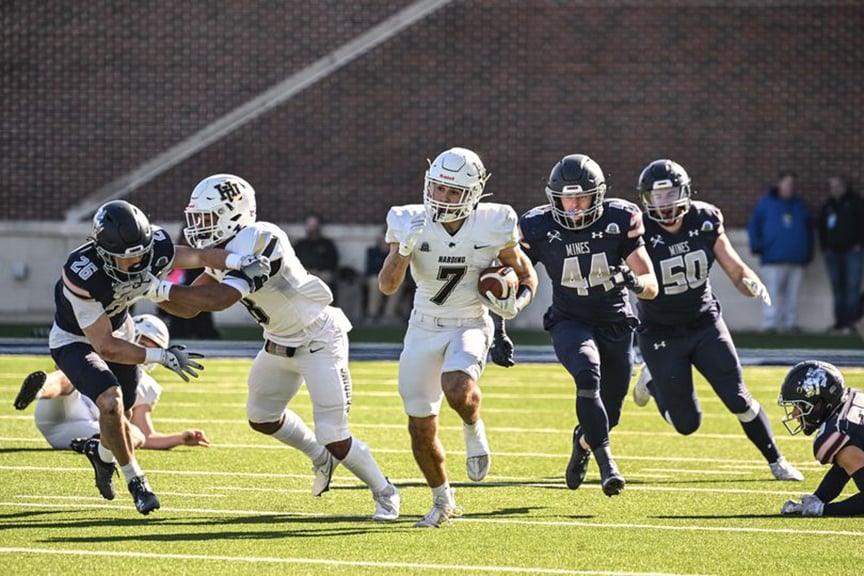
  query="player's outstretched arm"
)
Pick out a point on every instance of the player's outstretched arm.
point(640, 264)
point(742, 276)
point(205, 294)
point(393, 271)
point(153, 440)
point(111, 348)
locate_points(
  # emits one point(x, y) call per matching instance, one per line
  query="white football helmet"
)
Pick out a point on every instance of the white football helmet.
point(458, 168)
point(151, 327)
point(221, 205)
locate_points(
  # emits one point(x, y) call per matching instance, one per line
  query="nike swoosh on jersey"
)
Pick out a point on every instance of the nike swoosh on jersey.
point(311, 351)
point(481, 246)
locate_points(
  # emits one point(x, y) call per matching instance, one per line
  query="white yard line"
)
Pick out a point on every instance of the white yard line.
point(328, 562)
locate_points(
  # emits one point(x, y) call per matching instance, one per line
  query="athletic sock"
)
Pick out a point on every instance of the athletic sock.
point(360, 462)
point(131, 470)
point(592, 418)
point(104, 454)
point(295, 433)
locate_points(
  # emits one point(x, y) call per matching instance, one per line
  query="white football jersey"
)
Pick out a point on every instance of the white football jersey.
point(148, 391)
point(290, 300)
point(446, 268)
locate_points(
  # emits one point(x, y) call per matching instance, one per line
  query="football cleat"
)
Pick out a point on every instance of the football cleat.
point(477, 449)
point(578, 465)
point(641, 393)
point(78, 444)
point(30, 389)
point(323, 475)
point(145, 500)
point(104, 470)
point(611, 480)
point(442, 513)
point(784, 471)
point(387, 503)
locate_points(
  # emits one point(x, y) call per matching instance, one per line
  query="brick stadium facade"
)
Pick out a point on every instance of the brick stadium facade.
point(734, 93)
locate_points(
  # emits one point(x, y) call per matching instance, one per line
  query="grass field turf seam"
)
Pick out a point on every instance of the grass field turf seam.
point(712, 509)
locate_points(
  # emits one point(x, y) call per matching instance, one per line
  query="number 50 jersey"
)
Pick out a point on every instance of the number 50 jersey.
point(446, 267)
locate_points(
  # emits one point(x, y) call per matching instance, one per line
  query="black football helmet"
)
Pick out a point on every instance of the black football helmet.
point(576, 175)
point(810, 394)
point(122, 231)
point(669, 179)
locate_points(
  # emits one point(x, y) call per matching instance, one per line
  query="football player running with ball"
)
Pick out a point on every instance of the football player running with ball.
point(447, 241)
point(817, 400)
point(305, 339)
point(683, 327)
point(593, 252)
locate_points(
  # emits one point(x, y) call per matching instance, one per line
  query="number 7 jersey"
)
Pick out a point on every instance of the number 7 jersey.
point(446, 267)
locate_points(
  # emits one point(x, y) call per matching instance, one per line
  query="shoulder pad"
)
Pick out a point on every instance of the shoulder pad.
point(828, 442)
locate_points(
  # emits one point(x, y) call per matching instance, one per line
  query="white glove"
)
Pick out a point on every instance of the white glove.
point(757, 289)
point(415, 229)
point(257, 270)
point(811, 505)
point(507, 308)
point(152, 288)
point(791, 507)
point(177, 359)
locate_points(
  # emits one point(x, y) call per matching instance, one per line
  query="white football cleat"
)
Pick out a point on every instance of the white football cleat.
point(784, 471)
point(387, 504)
point(323, 475)
point(479, 458)
point(442, 512)
point(641, 393)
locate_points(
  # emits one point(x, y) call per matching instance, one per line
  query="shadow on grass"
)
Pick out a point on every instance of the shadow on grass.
point(722, 517)
point(14, 450)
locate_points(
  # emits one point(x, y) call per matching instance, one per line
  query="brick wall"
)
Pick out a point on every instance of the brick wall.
point(733, 93)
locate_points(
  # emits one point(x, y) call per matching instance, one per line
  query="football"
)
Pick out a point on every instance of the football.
point(499, 280)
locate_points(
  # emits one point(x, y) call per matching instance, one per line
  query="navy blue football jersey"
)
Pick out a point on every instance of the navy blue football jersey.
point(578, 261)
point(84, 276)
point(682, 262)
point(845, 427)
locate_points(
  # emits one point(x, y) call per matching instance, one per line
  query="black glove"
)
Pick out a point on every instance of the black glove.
point(502, 347)
point(623, 276)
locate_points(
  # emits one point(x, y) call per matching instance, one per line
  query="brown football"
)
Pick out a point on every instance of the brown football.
point(499, 280)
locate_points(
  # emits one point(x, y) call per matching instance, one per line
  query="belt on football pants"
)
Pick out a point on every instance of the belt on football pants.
point(444, 322)
point(279, 350)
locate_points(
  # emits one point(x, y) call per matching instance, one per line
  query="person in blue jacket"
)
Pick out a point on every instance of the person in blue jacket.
point(781, 234)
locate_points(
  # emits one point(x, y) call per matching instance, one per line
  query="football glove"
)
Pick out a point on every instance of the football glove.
point(811, 505)
point(502, 350)
point(791, 507)
point(256, 269)
point(757, 289)
point(623, 276)
point(415, 229)
point(181, 362)
point(152, 288)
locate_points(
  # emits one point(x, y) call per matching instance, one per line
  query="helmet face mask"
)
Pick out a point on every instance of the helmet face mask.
point(811, 392)
point(123, 240)
point(220, 206)
point(575, 177)
point(665, 191)
point(457, 169)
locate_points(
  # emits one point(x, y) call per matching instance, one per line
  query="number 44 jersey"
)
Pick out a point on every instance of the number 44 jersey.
point(446, 267)
point(682, 261)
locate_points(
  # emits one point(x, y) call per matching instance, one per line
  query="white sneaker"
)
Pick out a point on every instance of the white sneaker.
point(784, 471)
point(387, 503)
point(323, 475)
point(641, 393)
point(477, 449)
point(442, 513)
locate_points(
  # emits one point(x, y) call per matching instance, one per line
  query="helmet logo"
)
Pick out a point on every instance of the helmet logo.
point(814, 381)
point(99, 220)
point(228, 190)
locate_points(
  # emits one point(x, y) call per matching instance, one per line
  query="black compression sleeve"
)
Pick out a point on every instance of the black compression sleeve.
point(832, 484)
point(852, 506)
point(858, 477)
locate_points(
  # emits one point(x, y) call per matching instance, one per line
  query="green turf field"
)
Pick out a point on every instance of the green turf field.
point(704, 504)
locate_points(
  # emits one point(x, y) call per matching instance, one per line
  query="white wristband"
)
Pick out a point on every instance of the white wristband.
point(153, 356)
point(232, 261)
point(164, 291)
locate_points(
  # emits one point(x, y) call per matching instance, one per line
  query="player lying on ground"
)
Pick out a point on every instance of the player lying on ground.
point(816, 399)
point(64, 415)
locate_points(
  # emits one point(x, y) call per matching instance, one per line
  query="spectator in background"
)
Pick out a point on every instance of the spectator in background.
point(375, 256)
point(781, 234)
point(841, 236)
point(318, 253)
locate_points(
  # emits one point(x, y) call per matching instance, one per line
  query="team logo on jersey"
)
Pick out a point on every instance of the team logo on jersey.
point(596, 234)
point(693, 233)
point(658, 345)
point(613, 228)
point(424, 247)
point(707, 226)
point(656, 240)
point(553, 235)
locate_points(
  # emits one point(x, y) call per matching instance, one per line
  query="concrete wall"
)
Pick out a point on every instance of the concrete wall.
point(31, 254)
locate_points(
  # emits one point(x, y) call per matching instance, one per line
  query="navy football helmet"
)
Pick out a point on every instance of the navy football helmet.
point(122, 232)
point(664, 190)
point(810, 394)
point(576, 176)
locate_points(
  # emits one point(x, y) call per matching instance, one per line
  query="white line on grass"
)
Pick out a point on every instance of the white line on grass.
point(329, 562)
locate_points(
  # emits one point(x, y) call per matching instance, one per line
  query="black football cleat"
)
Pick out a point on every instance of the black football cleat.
point(611, 480)
point(30, 389)
point(145, 500)
point(578, 465)
point(104, 471)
